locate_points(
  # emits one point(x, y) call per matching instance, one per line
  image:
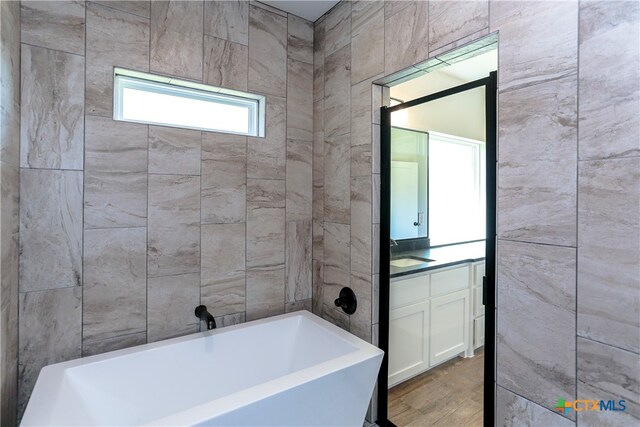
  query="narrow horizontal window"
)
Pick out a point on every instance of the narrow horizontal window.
point(165, 101)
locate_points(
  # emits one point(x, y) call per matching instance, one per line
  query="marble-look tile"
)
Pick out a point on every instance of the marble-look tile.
point(299, 180)
point(49, 332)
point(267, 52)
point(222, 284)
point(336, 260)
point(174, 225)
point(176, 38)
point(228, 20)
point(452, 20)
point(115, 199)
point(52, 109)
point(90, 348)
point(318, 287)
point(299, 103)
point(536, 318)
point(537, 163)
point(266, 157)
point(608, 252)
point(337, 28)
point(265, 291)
point(265, 223)
point(298, 306)
point(114, 146)
point(115, 283)
point(606, 372)
point(336, 316)
point(361, 129)
point(391, 7)
point(336, 180)
point(170, 304)
point(375, 300)
point(318, 239)
point(375, 197)
point(230, 320)
point(53, 24)
point(113, 38)
point(224, 178)
point(360, 321)
point(137, 7)
point(298, 261)
point(375, 248)
point(264, 6)
point(513, 410)
point(337, 89)
point(361, 224)
point(50, 229)
point(367, 43)
point(318, 61)
point(300, 39)
point(226, 64)
point(525, 58)
point(405, 37)
point(457, 51)
point(609, 85)
point(174, 151)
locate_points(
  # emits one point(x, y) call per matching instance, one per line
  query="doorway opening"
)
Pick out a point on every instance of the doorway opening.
point(437, 246)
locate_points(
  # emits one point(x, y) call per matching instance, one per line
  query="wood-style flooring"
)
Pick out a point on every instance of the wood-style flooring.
point(449, 395)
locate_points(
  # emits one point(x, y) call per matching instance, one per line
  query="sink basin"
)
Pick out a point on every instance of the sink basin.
point(409, 261)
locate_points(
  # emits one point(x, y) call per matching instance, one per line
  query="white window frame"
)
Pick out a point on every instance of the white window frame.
point(129, 79)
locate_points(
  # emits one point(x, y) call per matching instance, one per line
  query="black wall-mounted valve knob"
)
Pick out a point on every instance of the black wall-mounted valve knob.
point(347, 301)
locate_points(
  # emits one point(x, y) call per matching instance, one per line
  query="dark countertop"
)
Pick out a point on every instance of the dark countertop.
point(443, 256)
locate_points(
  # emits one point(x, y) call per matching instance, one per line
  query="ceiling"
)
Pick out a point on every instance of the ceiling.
point(310, 10)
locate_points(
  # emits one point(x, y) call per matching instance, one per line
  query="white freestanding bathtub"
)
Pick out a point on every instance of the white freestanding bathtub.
point(290, 370)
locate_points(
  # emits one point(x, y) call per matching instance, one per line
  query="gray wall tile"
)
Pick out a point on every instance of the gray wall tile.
point(336, 180)
point(113, 38)
point(50, 332)
point(608, 252)
point(298, 261)
point(230, 320)
point(405, 36)
point(267, 52)
point(138, 7)
point(52, 109)
point(114, 146)
point(265, 223)
point(452, 20)
point(300, 39)
point(361, 129)
point(361, 224)
point(336, 260)
point(10, 84)
point(226, 64)
point(228, 20)
point(224, 178)
point(360, 321)
point(299, 182)
point(536, 294)
point(524, 57)
point(609, 86)
point(171, 301)
point(298, 306)
point(367, 42)
point(53, 24)
point(336, 316)
point(338, 28)
point(338, 92)
point(513, 410)
point(223, 268)
point(90, 348)
point(318, 287)
point(266, 157)
point(318, 62)
point(537, 163)
point(174, 151)
point(174, 225)
point(114, 284)
point(50, 229)
point(176, 38)
point(606, 372)
point(265, 291)
point(299, 103)
point(115, 199)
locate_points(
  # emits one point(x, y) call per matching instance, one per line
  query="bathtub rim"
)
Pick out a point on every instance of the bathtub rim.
point(52, 376)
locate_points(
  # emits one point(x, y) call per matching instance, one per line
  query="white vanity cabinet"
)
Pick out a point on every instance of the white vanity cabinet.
point(430, 320)
point(478, 307)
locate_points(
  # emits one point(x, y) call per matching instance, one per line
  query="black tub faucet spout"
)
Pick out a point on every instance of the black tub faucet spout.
point(204, 315)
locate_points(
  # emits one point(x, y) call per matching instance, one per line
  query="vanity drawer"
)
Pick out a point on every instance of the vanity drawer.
point(408, 291)
point(451, 280)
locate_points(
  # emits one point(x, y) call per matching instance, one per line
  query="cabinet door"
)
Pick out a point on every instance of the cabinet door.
point(478, 306)
point(478, 340)
point(449, 326)
point(408, 341)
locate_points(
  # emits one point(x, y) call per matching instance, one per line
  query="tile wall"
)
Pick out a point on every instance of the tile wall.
point(568, 184)
point(126, 228)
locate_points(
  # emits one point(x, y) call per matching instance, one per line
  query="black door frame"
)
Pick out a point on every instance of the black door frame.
point(490, 85)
